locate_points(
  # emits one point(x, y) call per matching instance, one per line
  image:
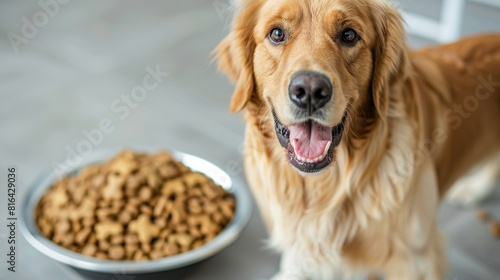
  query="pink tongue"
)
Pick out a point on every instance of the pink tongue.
point(310, 139)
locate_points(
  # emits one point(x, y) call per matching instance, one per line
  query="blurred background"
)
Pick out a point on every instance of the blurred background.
point(65, 68)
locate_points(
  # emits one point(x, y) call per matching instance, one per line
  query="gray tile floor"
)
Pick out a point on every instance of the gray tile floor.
point(72, 72)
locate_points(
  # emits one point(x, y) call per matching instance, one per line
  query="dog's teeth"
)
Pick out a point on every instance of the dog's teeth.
point(327, 147)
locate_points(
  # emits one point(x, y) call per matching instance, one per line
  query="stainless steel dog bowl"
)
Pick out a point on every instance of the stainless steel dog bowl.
point(81, 262)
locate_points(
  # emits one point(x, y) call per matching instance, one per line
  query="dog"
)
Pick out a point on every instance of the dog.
point(352, 139)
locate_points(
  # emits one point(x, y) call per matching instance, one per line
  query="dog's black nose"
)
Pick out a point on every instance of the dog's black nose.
point(310, 90)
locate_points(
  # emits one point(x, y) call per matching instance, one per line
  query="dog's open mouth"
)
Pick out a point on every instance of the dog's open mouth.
point(310, 145)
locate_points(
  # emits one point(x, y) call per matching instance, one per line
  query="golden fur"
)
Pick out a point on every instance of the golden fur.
point(406, 142)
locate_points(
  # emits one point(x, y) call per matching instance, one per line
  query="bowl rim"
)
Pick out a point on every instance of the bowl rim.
point(229, 234)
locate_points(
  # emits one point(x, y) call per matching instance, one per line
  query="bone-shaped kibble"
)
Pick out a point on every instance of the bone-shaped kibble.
point(153, 179)
point(168, 171)
point(107, 228)
point(182, 239)
point(175, 186)
point(85, 210)
point(144, 228)
point(160, 205)
point(124, 166)
point(58, 198)
point(194, 178)
point(113, 189)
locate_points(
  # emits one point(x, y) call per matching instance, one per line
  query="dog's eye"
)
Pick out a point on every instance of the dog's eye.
point(277, 36)
point(350, 37)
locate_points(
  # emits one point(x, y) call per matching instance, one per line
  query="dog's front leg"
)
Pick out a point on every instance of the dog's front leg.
point(291, 268)
point(419, 252)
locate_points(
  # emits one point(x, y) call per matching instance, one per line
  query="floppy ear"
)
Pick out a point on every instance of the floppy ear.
point(389, 54)
point(235, 54)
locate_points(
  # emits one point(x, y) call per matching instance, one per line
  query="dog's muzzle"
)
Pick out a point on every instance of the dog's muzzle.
point(309, 144)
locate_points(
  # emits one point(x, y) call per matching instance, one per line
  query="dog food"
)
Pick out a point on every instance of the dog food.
point(134, 207)
point(482, 215)
point(495, 229)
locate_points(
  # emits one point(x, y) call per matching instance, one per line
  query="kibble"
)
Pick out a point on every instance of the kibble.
point(116, 253)
point(482, 215)
point(495, 229)
point(134, 207)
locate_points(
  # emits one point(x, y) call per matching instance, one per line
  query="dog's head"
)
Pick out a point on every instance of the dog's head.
point(314, 63)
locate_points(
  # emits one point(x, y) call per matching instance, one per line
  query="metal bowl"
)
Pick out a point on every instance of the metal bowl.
point(81, 262)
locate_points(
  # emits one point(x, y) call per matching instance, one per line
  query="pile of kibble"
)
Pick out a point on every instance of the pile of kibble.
point(484, 216)
point(134, 207)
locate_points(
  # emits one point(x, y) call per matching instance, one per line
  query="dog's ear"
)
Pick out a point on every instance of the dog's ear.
point(389, 54)
point(235, 53)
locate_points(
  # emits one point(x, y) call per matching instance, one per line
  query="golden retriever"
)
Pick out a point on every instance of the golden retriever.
point(352, 139)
